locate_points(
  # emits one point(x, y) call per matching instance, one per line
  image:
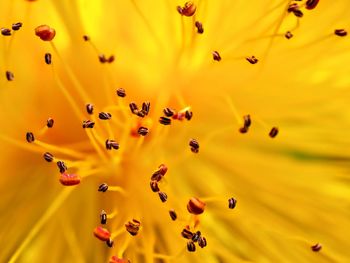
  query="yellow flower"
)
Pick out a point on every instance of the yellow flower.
point(291, 191)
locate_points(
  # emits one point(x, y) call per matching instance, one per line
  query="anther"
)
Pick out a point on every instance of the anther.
point(311, 4)
point(317, 247)
point(188, 115)
point(292, 7)
point(133, 107)
point(9, 76)
point(111, 144)
point(121, 92)
point(103, 217)
point(162, 169)
point(195, 206)
point(146, 107)
point(232, 203)
point(50, 122)
point(86, 38)
point(110, 243)
point(6, 32)
point(143, 131)
point(111, 59)
point(247, 121)
point(169, 112)
point(194, 145)
point(163, 196)
point(48, 58)
point(288, 35)
point(30, 137)
point(252, 60)
point(115, 259)
point(104, 115)
point(199, 27)
point(61, 166)
point(243, 130)
point(133, 227)
point(202, 242)
point(189, 9)
point(69, 179)
point(173, 214)
point(298, 13)
point(273, 133)
point(216, 56)
point(196, 236)
point(154, 186)
point(90, 108)
point(102, 233)
point(88, 124)
point(16, 26)
point(340, 32)
point(45, 32)
point(191, 247)
point(48, 157)
point(102, 58)
point(187, 234)
point(164, 121)
point(103, 187)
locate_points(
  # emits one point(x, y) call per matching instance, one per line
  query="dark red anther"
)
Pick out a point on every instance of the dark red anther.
point(9, 76)
point(173, 214)
point(196, 236)
point(104, 116)
point(187, 234)
point(88, 124)
point(216, 56)
point(163, 196)
point(50, 122)
point(110, 243)
point(111, 144)
point(232, 203)
point(103, 187)
point(168, 112)
point(317, 247)
point(69, 179)
point(273, 133)
point(30, 137)
point(194, 145)
point(86, 38)
point(16, 26)
point(133, 227)
point(103, 217)
point(61, 166)
point(252, 60)
point(48, 58)
point(340, 32)
point(154, 186)
point(311, 4)
point(199, 27)
point(202, 242)
point(121, 92)
point(288, 35)
point(195, 206)
point(5, 31)
point(48, 157)
point(164, 121)
point(191, 247)
point(90, 108)
point(143, 131)
point(45, 32)
point(102, 234)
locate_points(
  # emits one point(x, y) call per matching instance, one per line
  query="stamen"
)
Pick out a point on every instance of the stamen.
point(317, 247)
point(103, 217)
point(90, 108)
point(102, 233)
point(196, 236)
point(202, 242)
point(16, 26)
point(146, 107)
point(104, 115)
point(110, 243)
point(50, 122)
point(252, 60)
point(111, 144)
point(164, 121)
point(199, 27)
point(10, 76)
point(6, 32)
point(163, 196)
point(189, 9)
point(133, 227)
point(103, 187)
point(88, 124)
point(273, 133)
point(154, 186)
point(30, 137)
point(311, 4)
point(168, 112)
point(143, 131)
point(121, 92)
point(173, 214)
point(48, 58)
point(216, 56)
point(48, 157)
point(232, 203)
point(188, 115)
point(340, 32)
point(194, 145)
point(186, 233)
point(45, 32)
point(195, 206)
point(191, 247)
point(62, 166)
point(69, 179)
point(288, 35)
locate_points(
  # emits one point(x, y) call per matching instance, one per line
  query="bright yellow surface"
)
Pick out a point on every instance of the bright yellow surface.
point(292, 191)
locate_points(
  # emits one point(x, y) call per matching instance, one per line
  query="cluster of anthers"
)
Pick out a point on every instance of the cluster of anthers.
point(195, 206)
